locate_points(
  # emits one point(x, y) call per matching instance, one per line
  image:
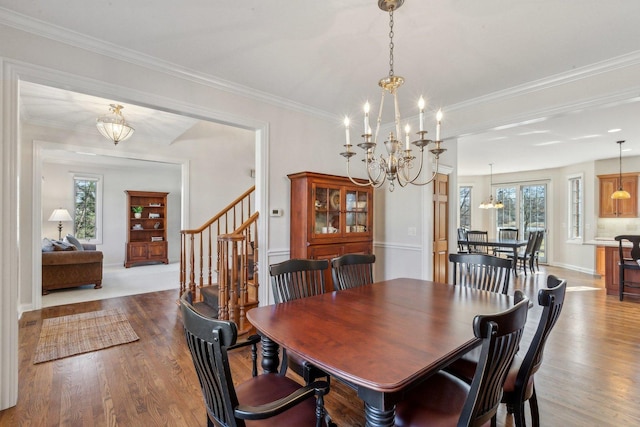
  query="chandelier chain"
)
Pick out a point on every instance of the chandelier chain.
point(391, 41)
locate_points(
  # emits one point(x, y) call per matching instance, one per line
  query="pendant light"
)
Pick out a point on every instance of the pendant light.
point(620, 194)
point(488, 204)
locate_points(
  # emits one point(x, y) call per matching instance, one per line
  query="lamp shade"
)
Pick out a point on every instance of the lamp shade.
point(60, 215)
point(113, 126)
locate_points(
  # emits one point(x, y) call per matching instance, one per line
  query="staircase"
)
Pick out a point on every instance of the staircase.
point(218, 263)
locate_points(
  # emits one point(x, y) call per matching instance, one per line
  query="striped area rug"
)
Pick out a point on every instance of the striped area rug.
point(82, 333)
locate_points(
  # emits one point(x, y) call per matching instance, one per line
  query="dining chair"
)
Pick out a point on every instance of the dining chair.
point(290, 280)
point(506, 233)
point(535, 253)
point(462, 236)
point(525, 255)
point(478, 236)
point(264, 400)
point(486, 272)
point(444, 400)
point(626, 263)
point(352, 270)
point(519, 385)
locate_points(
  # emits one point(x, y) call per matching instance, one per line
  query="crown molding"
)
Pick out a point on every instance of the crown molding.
point(63, 35)
point(82, 41)
point(619, 62)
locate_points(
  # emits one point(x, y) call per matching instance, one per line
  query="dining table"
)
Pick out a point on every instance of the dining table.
point(382, 339)
point(512, 244)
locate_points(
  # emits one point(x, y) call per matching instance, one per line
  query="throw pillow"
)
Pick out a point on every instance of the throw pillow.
point(47, 245)
point(62, 246)
point(71, 239)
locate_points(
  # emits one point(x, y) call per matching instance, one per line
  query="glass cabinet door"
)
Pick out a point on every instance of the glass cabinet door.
point(357, 208)
point(327, 210)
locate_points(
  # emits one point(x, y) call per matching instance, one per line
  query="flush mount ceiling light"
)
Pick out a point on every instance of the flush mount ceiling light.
point(396, 167)
point(113, 126)
point(488, 204)
point(620, 194)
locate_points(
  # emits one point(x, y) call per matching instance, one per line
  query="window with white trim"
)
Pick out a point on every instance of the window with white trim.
point(465, 207)
point(576, 208)
point(87, 215)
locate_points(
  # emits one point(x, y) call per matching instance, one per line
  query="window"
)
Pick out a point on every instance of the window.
point(87, 218)
point(465, 207)
point(575, 207)
point(525, 207)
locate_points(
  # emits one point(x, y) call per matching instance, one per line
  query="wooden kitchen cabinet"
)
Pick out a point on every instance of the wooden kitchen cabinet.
point(610, 208)
point(330, 216)
point(147, 235)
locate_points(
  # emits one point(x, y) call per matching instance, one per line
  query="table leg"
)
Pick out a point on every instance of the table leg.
point(270, 358)
point(376, 417)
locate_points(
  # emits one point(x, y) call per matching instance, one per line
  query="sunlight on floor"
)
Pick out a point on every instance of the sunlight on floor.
point(118, 281)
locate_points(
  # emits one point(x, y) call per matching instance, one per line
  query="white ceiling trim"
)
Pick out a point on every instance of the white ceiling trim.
point(624, 61)
point(63, 35)
point(612, 99)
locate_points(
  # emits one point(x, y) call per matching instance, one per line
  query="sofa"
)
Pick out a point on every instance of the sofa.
point(71, 267)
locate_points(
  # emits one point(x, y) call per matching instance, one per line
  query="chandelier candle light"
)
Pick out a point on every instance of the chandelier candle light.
point(399, 162)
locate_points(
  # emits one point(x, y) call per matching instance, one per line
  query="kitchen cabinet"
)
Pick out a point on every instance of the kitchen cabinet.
point(612, 274)
point(330, 216)
point(147, 232)
point(610, 208)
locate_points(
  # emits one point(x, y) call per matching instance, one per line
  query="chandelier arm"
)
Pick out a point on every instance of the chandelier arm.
point(382, 176)
point(367, 184)
point(379, 120)
point(433, 176)
point(396, 108)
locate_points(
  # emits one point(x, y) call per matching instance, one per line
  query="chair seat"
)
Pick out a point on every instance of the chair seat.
point(510, 382)
point(269, 387)
point(425, 408)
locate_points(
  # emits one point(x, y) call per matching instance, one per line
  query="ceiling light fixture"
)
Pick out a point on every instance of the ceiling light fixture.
point(488, 204)
point(113, 126)
point(399, 161)
point(620, 194)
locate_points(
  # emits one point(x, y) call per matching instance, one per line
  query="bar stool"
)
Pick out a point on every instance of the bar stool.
point(626, 263)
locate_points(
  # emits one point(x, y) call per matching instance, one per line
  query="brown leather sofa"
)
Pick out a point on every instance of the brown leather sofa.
point(68, 269)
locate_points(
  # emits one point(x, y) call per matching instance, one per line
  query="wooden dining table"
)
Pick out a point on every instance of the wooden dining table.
point(382, 339)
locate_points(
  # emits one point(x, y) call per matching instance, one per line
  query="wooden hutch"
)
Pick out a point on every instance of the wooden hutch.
point(147, 235)
point(330, 216)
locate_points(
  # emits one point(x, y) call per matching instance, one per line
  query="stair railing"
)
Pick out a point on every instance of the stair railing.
point(198, 247)
point(238, 273)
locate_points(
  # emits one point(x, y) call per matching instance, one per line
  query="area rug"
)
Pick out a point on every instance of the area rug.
point(81, 333)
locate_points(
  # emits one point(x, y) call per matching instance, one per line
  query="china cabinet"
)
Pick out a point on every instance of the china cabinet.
point(330, 216)
point(147, 235)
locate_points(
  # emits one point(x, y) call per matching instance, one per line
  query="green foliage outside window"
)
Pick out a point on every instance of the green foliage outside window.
point(85, 191)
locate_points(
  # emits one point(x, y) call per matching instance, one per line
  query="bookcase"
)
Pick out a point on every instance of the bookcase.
point(146, 232)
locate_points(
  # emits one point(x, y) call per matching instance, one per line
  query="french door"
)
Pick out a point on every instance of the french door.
point(525, 207)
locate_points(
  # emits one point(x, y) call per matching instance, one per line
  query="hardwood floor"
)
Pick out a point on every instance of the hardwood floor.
point(589, 376)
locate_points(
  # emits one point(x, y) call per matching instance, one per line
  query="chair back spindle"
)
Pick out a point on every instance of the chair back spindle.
point(486, 272)
point(352, 270)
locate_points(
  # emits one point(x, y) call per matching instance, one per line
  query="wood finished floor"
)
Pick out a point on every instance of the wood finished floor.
point(589, 377)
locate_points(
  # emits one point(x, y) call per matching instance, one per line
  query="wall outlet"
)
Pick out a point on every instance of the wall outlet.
point(412, 231)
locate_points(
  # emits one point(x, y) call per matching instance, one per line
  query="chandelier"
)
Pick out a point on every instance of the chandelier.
point(620, 193)
point(399, 162)
point(488, 204)
point(113, 126)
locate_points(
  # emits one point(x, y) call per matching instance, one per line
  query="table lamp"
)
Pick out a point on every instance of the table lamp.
point(60, 215)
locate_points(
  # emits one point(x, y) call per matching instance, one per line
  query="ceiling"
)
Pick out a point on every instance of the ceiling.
point(327, 57)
